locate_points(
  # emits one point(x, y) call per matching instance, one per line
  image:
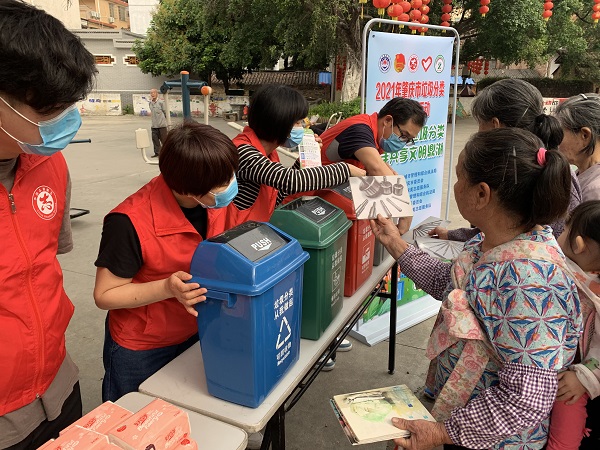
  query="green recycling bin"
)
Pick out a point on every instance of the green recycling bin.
point(322, 231)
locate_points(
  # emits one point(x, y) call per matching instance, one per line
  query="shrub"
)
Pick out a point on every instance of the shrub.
point(324, 110)
point(127, 109)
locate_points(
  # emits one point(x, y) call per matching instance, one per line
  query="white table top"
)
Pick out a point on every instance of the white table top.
point(182, 381)
point(210, 434)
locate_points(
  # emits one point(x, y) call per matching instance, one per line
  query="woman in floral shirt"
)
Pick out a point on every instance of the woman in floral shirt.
point(510, 317)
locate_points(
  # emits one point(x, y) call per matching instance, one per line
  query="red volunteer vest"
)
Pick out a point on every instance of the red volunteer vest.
point(34, 308)
point(168, 242)
point(266, 200)
point(329, 136)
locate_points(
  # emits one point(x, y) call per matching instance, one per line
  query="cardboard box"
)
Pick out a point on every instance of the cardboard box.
point(159, 424)
point(77, 438)
point(102, 419)
point(187, 443)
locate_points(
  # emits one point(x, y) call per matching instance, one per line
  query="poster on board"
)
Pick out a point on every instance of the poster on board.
point(416, 67)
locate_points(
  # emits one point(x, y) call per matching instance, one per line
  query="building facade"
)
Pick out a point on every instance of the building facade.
point(118, 70)
point(140, 14)
point(104, 14)
point(67, 11)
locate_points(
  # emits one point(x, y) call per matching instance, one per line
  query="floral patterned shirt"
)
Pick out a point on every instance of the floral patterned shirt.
point(530, 311)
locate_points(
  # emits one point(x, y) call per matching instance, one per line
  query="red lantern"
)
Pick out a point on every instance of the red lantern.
point(547, 10)
point(596, 17)
point(405, 6)
point(414, 28)
point(424, 9)
point(415, 15)
point(596, 7)
point(446, 10)
point(423, 30)
point(416, 4)
point(394, 11)
point(484, 9)
point(381, 5)
point(424, 18)
point(403, 18)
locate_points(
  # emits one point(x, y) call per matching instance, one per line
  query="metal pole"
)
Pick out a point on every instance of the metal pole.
point(168, 108)
point(185, 95)
point(206, 91)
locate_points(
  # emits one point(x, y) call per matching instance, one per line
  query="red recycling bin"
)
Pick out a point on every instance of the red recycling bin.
point(361, 240)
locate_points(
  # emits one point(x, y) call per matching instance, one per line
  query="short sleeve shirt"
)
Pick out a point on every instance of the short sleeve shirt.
point(353, 138)
point(120, 249)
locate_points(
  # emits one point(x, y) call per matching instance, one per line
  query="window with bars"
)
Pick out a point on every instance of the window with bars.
point(131, 60)
point(122, 13)
point(111, 10)
point(104, 60)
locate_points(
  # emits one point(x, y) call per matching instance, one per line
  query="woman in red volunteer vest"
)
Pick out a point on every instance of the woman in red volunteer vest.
point(145, 253)
point(275, 119)
point(363, 138)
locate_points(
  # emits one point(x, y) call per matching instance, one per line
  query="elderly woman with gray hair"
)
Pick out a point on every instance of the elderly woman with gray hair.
point(579, 117)
point(513, 103)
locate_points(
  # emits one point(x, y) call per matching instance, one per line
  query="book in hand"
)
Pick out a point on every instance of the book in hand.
point(366, 416)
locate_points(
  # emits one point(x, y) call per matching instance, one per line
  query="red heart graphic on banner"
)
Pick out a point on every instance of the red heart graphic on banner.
point(426, 63)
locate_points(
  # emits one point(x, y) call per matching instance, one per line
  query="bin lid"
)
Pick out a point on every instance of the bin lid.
point(313, 221)
point(340, 196)
point(247, 259)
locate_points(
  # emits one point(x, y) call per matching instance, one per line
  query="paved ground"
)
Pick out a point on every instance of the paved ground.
point(111, 168)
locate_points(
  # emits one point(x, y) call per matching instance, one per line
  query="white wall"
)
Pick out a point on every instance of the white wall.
point(69, 16)
point(140, 14)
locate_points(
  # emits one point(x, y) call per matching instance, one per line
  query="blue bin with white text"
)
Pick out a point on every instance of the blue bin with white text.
point(249, 325)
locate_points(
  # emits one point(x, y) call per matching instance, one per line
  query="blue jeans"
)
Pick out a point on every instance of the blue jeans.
point(126, 369)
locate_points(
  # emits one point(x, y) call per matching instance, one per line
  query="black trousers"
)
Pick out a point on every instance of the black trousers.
point(159, 135)
point(71, 411)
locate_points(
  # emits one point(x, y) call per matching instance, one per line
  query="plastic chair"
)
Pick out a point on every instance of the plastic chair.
point(334, 119)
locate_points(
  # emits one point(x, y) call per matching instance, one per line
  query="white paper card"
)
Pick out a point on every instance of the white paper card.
point(385, 195)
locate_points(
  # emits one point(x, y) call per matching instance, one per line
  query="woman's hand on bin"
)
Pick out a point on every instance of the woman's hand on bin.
point(356, 171)
point(388, 234)
point(424, 435)
point(188, 294)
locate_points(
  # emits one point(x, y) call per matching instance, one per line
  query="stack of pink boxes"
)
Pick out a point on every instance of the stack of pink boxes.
point(157, 426)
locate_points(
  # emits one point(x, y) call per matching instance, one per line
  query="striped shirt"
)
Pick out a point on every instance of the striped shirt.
point(255, 169)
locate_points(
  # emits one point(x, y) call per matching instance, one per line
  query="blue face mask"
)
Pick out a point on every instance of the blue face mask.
point(56, 133)
point(224, 198)
point(393, 143)
point(296, 136)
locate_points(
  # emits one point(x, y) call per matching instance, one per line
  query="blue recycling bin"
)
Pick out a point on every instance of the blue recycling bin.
point(249, 325)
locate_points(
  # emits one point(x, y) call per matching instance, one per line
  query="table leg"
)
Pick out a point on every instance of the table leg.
point(278, 429)
point(393, 314)
point(266, 442)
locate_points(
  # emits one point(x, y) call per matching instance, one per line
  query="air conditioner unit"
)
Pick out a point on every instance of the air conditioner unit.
point(111, 20)
point(94, 15)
